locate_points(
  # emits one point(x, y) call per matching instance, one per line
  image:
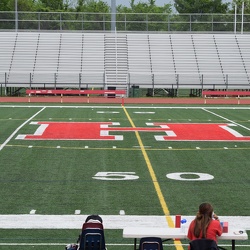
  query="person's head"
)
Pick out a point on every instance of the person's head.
point(206, 209)
point(203, 218)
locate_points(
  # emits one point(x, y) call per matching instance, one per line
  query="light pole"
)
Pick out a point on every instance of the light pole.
point(235, 18)
point(16, 16)
point(242, 17)
point(113, 15)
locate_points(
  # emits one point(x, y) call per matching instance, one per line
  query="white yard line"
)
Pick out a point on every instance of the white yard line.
point(15, 132)
point(35, 221)
point(224, 118)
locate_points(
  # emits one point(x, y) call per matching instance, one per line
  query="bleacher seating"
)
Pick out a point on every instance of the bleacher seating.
point(24, 54)
point(145, 60)
point(230, 56)
point(7, 45)
point(70, 60)
point(162, 59)
point(208, 59)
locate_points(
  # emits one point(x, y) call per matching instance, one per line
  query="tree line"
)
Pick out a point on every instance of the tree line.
point(144, 15)
point(143, 6)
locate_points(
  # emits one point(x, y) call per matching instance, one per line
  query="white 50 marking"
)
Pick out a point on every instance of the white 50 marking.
point(179, 176)
point(118, 176)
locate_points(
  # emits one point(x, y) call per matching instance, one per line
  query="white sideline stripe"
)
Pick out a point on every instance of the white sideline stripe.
point(107, 244)
point(33, 244)
point(13, 134)
point(129, 107)
point(36, 221)
point(232, 122)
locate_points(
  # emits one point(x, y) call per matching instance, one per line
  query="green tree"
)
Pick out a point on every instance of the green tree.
point(201, 6)
point(4, 5)
point(93, 14)
point(93, 6)
point(194, 15)
point(52, 5)
point(239, 6)
point(26, 14)
point(22, 5)
point(246, 19)
point(144, 16)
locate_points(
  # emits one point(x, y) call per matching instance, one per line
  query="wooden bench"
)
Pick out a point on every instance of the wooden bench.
point(226, 93)
point(88, 92)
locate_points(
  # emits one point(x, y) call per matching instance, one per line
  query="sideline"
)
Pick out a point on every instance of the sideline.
point(13, 134)
point(37, 221)
point(141, 106)
point(226, 119)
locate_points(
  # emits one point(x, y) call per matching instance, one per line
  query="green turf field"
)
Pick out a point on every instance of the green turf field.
point(104, 159)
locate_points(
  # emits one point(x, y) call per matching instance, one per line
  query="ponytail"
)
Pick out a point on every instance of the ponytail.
point(202, 220)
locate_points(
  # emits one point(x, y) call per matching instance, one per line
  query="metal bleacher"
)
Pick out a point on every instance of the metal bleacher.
point(81, 59)
point(35, 59)
point(70, 60)
point(208, 60)
point(46, 60)
point(162, 60)
point(139, 63)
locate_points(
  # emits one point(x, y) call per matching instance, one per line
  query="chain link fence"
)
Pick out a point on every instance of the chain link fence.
point(125, 22)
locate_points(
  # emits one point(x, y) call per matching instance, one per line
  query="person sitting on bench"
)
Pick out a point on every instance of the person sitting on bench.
point(206, 225)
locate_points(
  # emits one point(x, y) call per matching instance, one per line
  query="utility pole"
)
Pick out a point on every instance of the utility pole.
point(235, 18)
point(242, 17)
point(16, 16)
point(113, 15)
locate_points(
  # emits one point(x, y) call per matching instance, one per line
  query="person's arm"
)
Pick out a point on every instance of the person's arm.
point(219, 230)
point(218, 225)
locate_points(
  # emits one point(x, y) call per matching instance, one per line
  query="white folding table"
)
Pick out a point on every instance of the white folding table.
point(177, 233)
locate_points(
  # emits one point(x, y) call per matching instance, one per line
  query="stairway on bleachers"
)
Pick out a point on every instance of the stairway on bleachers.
point(116, 60)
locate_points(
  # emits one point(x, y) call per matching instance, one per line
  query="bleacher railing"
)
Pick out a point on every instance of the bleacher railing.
point(125, 22)
point(140, 80)
point(43, 79)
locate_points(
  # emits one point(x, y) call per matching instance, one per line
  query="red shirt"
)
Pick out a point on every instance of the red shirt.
point(214, 229)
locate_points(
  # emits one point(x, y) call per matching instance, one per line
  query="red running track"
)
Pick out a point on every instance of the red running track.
point(132, 100)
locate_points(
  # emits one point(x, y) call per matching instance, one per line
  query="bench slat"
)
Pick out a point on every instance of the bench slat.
point(225, 93)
